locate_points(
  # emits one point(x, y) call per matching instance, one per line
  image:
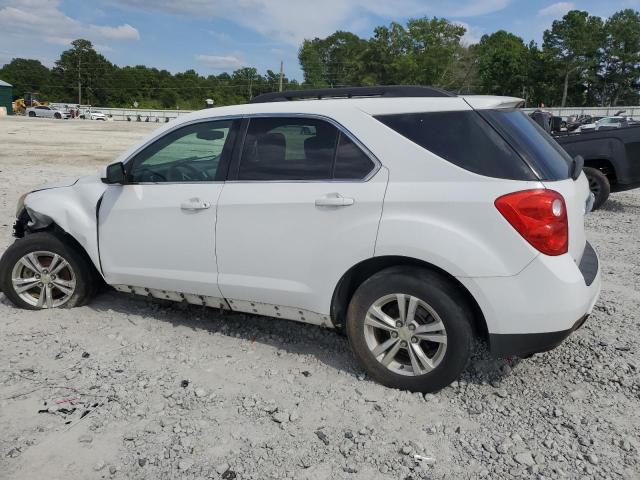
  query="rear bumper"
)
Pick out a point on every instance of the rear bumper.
point(523, 344)
point(537, 309)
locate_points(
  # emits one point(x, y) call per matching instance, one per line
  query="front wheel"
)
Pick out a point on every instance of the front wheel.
point(599, 186)
point(58, 116)
point(410, 328)
point(39, 272)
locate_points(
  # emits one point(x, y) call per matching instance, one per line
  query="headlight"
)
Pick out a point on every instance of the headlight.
point(20, 205)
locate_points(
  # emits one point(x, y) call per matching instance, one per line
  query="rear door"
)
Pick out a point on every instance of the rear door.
point(302, 206)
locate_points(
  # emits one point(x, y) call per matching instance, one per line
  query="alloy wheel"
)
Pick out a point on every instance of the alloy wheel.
point(405, 334)
point(43, 279)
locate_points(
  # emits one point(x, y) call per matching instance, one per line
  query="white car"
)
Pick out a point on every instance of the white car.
point(95, 115)
point(415, 220)
point(47, 112)
point(605, 123)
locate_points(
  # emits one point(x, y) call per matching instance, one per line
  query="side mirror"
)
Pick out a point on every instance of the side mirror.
point(114, 174)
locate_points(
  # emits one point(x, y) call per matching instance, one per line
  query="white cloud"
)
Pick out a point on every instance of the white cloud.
point(291, 21)
point(27, 24)
point(123, 32)
point(221, 62)
point(479, 7)
point(472, 34)
point(556, 9)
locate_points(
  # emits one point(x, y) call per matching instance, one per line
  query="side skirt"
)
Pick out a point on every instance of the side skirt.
point(244, 306)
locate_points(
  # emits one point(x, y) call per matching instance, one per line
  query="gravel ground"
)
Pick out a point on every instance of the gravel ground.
point(129, 388)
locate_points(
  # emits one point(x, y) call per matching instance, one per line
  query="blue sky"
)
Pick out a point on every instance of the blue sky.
point(212, 36)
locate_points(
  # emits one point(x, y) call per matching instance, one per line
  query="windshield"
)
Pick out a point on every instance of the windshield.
point(541, 152)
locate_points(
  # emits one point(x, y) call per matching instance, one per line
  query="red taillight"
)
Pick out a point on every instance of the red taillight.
point(540, 216)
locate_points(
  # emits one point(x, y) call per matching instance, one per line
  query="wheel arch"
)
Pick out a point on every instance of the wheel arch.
point(22, 229)
point(605, 166)
point(357, 274)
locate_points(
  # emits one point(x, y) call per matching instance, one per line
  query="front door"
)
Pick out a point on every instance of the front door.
point(302, 206)
point(158, 230)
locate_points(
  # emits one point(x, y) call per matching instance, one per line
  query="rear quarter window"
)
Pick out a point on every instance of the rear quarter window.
point(463, 138)
point(543, 154)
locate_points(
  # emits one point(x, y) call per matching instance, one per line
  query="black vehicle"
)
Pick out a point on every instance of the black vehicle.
point(611, 159)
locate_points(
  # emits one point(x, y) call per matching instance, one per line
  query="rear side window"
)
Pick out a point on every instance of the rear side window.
point(288, 149)
point(299, 148)
point(544, 155)
point(463, 138)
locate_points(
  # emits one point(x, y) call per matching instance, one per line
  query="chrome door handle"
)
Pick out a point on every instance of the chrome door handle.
point(334, 200)
point(194, 204)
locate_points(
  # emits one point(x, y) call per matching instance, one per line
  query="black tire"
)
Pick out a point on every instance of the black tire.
point(446, 300)
point(32, 114)
point(83, 271)
point(599, 186)
point(58, 116)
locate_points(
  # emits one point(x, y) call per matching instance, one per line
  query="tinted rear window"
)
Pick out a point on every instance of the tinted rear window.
point(463, 138)
point(548, 160)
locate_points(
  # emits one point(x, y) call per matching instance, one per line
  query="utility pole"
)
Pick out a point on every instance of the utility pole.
point(79, 79)
point(281, 75)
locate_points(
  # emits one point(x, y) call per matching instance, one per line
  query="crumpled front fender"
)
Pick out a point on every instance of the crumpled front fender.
point(73, 209)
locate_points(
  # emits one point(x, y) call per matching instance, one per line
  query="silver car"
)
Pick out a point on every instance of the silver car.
point(47, 112)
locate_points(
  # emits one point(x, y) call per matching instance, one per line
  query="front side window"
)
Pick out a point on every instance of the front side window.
point(300, 149)
point(188, 154)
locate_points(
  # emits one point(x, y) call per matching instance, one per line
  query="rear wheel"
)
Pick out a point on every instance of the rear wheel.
point(39, 272)
point(410, 328)
point(599, 186)
point(32, 114)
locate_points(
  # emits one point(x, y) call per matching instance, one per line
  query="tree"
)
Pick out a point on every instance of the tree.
point(502, 64)
point(573, 44)
point(333, 61)
point(82, 67)
point(27, 76)
point(435, 48)
point(621, 58)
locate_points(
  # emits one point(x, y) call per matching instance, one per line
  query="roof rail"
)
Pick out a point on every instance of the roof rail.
point(389, 91)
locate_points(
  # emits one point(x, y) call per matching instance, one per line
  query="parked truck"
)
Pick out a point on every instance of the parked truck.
point(611, 159)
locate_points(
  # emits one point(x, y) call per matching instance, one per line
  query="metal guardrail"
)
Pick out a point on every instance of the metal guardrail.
point(158, 115)
point(593, 111)
point(128, 114)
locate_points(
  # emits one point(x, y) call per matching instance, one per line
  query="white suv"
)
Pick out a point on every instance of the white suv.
point(415, 220)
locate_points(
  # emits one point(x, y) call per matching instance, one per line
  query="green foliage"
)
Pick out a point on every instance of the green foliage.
point(573, 44)
point(583, 60)
point(26, 76)
point(620, 78)
point(108, 85)
point(502, 64)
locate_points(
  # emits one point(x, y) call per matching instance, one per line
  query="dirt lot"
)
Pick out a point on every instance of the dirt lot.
point(128, 388)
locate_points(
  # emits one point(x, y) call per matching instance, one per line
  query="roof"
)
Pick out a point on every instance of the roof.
point(5, 84)
point(389, 91)
point(372, 106)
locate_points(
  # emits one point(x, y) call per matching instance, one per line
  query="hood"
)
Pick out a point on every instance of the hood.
point(67, 182)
